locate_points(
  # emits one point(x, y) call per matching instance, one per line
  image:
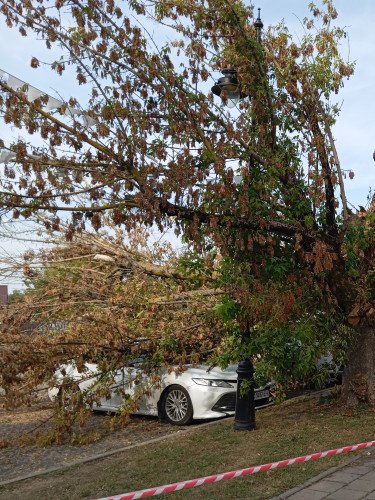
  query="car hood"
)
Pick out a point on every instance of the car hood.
point(205, 371)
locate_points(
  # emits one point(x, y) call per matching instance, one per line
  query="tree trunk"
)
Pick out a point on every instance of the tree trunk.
point(359, 374)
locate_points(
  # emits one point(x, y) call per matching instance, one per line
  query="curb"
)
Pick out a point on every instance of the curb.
point(99, 456)
point(317, 478)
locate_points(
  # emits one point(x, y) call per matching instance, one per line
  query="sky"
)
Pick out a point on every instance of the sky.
point(354, 131)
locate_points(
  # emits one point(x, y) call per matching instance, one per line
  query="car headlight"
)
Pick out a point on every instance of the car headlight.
point(212, 382)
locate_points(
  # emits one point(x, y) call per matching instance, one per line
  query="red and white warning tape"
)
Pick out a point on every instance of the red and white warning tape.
point(192, 483)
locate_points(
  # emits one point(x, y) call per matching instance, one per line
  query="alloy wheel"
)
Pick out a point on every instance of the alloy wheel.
point(176, 405)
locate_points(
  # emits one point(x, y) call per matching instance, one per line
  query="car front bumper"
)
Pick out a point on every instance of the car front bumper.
point(214, 402)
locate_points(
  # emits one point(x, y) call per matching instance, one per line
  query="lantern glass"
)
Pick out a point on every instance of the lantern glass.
point(234, 97)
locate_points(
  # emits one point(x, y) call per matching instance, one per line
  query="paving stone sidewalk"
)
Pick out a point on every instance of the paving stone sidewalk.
point(353, 481)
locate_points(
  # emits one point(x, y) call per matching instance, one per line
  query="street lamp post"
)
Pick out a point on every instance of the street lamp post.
point(245, 403)
point(244, 419)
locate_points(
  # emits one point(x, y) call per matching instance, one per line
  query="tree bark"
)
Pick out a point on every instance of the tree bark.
point(359, 376)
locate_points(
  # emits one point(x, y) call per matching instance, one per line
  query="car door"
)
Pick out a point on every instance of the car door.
point(116, 392)
point(135, 381)
point(117, 389)
point(133, 378)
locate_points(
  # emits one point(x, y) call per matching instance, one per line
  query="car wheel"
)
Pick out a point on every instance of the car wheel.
point(176, 406)
point(70, 399)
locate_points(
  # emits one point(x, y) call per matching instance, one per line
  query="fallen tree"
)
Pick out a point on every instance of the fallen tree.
point(99, 298)
point(164, 152)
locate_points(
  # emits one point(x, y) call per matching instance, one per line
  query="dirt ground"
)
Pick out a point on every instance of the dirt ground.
point(20, 459)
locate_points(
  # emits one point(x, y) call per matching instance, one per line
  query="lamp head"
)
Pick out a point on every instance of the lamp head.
point(230, 85)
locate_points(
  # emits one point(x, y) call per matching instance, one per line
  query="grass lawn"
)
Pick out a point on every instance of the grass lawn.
point(293, 428)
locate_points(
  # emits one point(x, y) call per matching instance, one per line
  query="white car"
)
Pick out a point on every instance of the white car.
point(197, 393)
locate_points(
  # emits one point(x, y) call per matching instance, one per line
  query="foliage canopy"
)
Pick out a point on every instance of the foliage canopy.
point(260, 185)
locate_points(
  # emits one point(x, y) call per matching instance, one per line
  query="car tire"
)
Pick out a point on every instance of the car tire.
point(70, 400)
point(175, 406)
